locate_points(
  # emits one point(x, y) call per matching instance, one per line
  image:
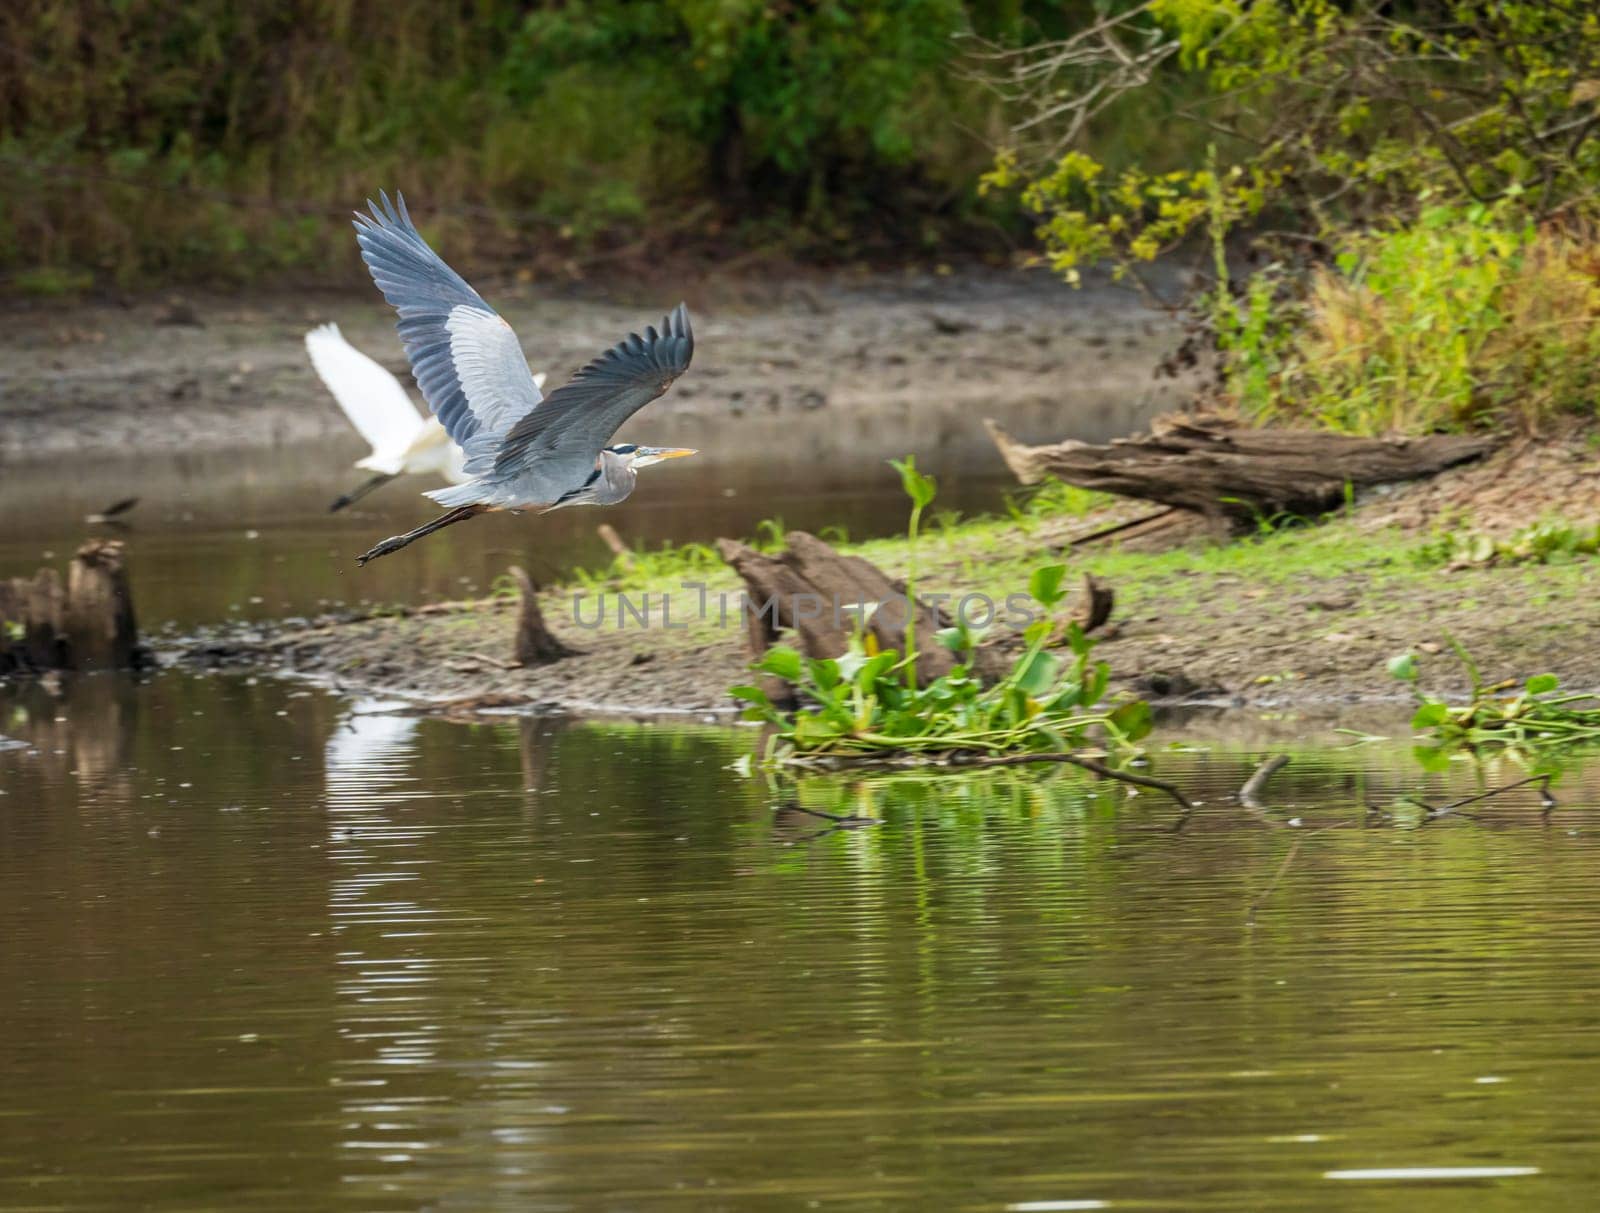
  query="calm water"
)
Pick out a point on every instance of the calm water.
point(225, 536)
point(266, 949)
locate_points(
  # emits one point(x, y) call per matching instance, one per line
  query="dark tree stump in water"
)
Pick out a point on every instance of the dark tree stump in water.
point(31, 635)
point(535, 642)
point(1219, 468)
point(808, 590)
point(89, 625)
point(100, 626)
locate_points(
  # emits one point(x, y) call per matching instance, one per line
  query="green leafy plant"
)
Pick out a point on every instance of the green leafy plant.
point(643, 566)
point(1530, 715)
point(1548, 541)
point(868, 700)
point(1321, 114)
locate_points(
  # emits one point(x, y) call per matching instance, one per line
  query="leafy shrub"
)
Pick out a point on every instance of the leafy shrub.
point(1421, 178)
point(1467, 317)
point(1321, 114)
point(232, 137)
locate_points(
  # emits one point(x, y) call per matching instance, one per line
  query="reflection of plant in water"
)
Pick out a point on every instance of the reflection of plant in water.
point(906, 795)
point(1529, 717)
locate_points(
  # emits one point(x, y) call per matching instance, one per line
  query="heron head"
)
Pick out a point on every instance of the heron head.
point(644, 456)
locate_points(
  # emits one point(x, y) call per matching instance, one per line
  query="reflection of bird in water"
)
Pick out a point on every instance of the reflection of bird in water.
point(520, 448)
point(111, 515)
point(369, 745)
point(404, 443)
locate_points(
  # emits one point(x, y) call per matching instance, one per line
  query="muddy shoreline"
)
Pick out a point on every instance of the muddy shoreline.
point(817, 368)
point(1241, 624)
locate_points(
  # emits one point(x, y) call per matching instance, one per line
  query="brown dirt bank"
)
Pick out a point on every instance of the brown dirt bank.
point(859, 350)
point(1301, 616)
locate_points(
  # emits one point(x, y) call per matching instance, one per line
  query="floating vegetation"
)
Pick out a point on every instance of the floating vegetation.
point(867, 703)
point(1529, 715)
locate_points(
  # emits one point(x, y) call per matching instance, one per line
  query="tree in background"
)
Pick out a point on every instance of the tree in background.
point(230, 137)
point(1420, 179)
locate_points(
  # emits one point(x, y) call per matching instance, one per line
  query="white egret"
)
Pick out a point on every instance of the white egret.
point(404, 442)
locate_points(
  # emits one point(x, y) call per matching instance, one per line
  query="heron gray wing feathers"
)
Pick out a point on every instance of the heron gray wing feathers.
point(579, 418)
point(466, 359)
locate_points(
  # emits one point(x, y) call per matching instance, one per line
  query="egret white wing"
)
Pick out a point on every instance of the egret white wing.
point(372, 398)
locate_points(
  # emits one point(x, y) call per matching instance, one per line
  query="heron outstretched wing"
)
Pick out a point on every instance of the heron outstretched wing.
point(467, 361)
point(580, 417)
point(372, 398)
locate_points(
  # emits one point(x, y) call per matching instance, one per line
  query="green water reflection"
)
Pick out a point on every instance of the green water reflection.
point(268, 949)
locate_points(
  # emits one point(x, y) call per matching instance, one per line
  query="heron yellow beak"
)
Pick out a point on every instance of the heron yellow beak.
point(655, 454)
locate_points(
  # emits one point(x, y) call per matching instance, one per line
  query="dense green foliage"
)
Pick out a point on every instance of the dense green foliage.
point(231, 137)
point(1419, 179)
point(1467, 316)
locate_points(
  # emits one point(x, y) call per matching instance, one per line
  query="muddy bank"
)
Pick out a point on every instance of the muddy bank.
point(1300, 617)
point(827, 370)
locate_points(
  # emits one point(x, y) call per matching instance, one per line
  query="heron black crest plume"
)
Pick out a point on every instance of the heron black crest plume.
point(522, 449)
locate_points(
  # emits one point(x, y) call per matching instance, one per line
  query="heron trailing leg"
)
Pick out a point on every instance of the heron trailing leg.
point(356, 494)
point(395, 542)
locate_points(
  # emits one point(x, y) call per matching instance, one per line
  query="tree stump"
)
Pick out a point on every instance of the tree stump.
point(100, 627)
point(809, 588)
point(535, 643)
point(89, 625)
point(1095, 607)
point(1219, 468)
point(31, 635)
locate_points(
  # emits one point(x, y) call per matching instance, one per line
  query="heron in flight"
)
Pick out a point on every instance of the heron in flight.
point(404, 443)
point(520, 448)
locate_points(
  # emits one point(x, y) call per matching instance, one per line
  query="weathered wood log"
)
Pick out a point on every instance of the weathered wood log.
point(99, 622)
point(87, 625)
point(810, 589)
point(1219, 468)
point(535, 643)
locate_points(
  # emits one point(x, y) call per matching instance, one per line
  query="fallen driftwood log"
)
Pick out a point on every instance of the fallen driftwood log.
point(86, 625)
point(1222, 469)
point(810, 589)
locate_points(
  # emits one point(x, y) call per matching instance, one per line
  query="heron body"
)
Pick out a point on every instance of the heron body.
point(404, 442)
point(520, 448)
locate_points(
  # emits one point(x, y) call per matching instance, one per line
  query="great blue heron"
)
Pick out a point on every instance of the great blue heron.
point(403, 441)
point(521, 449)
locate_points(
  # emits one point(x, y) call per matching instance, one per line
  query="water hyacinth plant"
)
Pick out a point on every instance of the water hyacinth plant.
point(1531, 715)
point(867, 700)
